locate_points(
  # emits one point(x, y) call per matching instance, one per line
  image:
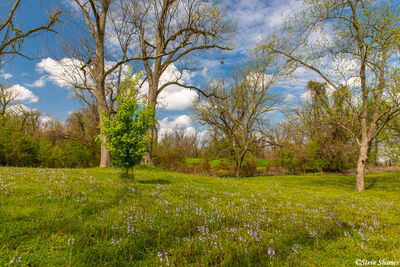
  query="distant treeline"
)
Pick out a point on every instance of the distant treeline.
point(26, 140)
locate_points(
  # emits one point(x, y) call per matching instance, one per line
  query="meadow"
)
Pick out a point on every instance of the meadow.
point(89, 217)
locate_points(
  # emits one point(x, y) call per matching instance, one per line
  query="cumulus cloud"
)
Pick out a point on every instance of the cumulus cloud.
point(353, 82)
point(174, 97)
point(39, 82)
point(18, 109)
point(20, 93)
point(70, 72)
point(167, 125)
point(45, 120)
point(180, 122)
point(177, 98)
point(305, 96)
point(63, 73)
point(261, 80)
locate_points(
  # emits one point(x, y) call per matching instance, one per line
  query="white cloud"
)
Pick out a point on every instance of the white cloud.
point(344, 66)
point(174, 97)
point(180, 122)
point(63, 73)
point(290, 98)
point(353, 82)
point(167, 125)
point(305, 96)
point(69, 72)
point(261, 80)
point(18, 109)
point(321, 36)
point(45, 119)
point(6, 75)
point(39, 82)
point(20, 93)
point(256, 18)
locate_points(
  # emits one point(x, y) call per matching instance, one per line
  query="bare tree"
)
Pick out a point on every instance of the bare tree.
point(168, 31)
point(12, 35)
point(361, 38)
point(239, 113)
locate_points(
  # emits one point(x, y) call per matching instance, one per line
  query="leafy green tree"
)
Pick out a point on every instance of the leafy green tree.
point(327, 145)
point(126, 132)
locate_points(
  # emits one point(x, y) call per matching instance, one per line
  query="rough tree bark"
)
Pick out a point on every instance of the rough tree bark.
point(98, 29)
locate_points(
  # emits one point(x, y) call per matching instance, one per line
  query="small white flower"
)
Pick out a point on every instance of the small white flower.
point(296, 248)
point(313, 234)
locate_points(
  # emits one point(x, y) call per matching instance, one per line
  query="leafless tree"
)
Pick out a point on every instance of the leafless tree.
point(240, 112)
point(12, 35)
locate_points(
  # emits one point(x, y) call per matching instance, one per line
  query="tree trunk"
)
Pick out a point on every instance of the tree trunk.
point(239, 164)
point(238, 167)
point(152, 97)
point(105, 155)
point(362, 161)
point(98, 70)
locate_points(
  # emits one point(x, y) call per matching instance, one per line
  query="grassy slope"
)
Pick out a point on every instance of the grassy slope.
point(93, 217)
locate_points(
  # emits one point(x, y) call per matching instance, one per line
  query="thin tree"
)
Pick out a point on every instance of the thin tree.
point(239, 113)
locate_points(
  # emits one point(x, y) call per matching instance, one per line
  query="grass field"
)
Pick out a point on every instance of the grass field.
point(92, 217)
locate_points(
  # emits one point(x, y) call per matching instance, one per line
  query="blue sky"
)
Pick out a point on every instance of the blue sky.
point(256, 18)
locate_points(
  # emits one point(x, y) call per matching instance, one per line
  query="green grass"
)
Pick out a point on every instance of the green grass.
point(215, 163)
point(91, 217)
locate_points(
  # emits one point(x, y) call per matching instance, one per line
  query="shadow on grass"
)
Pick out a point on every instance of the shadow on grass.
point(370, 183)
point(155, 181)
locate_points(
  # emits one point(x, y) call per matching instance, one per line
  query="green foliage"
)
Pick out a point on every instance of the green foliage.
point(91, 217)
point(169, 158)
point(46, 146)
point(126, 131)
